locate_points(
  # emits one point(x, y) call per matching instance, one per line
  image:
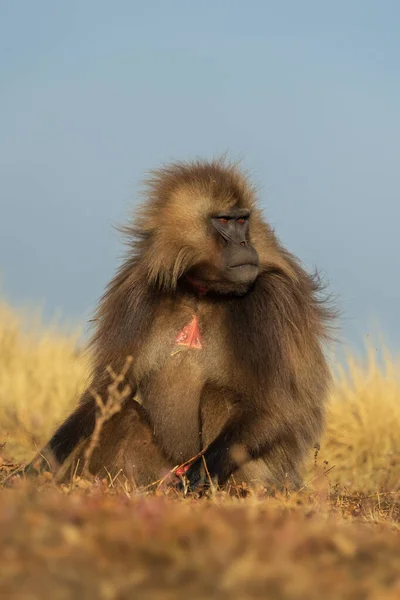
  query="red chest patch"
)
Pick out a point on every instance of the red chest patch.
point(190, 335)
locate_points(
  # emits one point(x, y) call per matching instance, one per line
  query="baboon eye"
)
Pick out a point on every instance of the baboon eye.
point(241, 220)
point(223, 220)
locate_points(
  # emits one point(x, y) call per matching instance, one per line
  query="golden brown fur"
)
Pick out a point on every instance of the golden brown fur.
point(255, 393)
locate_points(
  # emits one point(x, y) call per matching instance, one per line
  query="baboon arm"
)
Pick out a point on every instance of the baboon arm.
point(77, 427)
point(246, 437)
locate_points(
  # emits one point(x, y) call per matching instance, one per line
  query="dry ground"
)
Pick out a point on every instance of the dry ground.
point(337, 539)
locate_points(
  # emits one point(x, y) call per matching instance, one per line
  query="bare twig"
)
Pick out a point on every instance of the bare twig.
point(63, 470)
point(113, 405)
point(213, 487)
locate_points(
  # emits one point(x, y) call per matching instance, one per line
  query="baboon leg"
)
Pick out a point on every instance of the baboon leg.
point(274, 474)
point(126, 448)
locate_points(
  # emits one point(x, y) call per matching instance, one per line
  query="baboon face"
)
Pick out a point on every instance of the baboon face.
point(233, 261)
point(239, 259)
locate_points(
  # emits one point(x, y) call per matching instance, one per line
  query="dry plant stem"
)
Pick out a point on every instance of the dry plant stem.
point(113, 405)
point(326, 472)
point(20, 468)
point(191, 460)
point(317, 448)
point(159, 482)
point(213, 487)
point(63, 470)
point(113, 479)
point(10, 476)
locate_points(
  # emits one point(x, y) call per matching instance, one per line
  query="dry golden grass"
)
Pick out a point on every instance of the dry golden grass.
point(338, 538)
point(41, 375)
point(91, 544)
point(362, 438)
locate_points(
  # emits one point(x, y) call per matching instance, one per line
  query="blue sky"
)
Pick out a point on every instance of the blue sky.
point(94, 93)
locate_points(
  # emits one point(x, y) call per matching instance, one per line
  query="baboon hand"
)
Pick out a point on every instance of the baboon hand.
point(195, 477)
point(214, 467)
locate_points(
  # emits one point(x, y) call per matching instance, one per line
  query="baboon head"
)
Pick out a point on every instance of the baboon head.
point(196, 227)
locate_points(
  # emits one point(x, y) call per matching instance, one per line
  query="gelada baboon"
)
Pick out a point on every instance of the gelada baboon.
point(226, 331)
